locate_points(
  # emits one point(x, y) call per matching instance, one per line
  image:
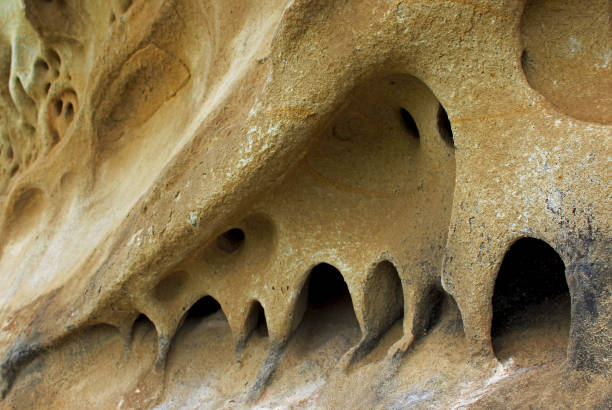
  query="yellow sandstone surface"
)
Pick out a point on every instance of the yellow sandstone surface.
point(305, 204)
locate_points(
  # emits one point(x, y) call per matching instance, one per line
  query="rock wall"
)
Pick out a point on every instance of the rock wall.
point(305, 203)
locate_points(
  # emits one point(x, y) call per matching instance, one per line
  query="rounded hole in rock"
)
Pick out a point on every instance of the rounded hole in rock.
point(409, 123)
point(59, 105)
point(444, 127)
point(142, 326)
point(326, 286)
point(328, 312)
point(41, 64)
point(231, 241)
point(204, 307)
point(69, 111)
point(565, 63)
point(429, 311)
point(203, 337)
point(369, 147)
point(531, 302)
point(256, 320)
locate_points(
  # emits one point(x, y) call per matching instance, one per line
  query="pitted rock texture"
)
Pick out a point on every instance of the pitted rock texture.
point(305, 203)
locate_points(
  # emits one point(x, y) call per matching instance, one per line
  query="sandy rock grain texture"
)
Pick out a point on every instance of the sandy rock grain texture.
point(381, 204)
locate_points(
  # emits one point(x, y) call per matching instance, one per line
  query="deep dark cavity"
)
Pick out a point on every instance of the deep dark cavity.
point(429, 312)
point(444, 127)
point(531, 274)
point(258, 318)
point(231, 241)
point(409, 123)
point(326, 286)
point(59, 106)
point(327, 308)
point(143, 324)
point(69, 111)
point(41, 64)
point(204, 307)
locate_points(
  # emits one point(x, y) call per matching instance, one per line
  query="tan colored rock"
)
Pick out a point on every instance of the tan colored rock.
point(305, 203)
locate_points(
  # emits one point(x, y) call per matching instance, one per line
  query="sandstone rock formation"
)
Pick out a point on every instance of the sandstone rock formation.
point(305, 203)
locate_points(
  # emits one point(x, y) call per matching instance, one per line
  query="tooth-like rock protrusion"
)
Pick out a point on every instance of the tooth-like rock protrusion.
point(167, 322)
point(163, 346)
point(165, 333)
point(382, 303)
point(266, 371)
point(255, 317)
point(321, 283)
point(126, 330)
point(164, 338)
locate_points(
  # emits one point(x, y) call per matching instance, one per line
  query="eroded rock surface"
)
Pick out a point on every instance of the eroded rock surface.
point(305, 203)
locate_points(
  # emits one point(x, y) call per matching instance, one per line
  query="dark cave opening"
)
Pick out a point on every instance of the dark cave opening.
point(257, 320)
point(328, 311)
point(531, 292)
point(204, 307)
point(326, 286)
